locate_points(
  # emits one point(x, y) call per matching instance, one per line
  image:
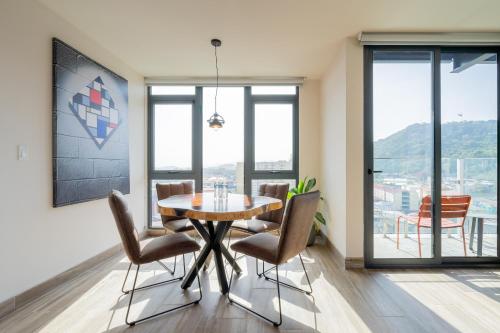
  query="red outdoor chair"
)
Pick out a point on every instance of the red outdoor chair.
point(452, 207)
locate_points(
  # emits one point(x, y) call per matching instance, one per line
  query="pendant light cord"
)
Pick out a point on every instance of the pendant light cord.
point(217, 80)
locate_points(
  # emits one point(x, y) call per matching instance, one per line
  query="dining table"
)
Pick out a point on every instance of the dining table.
point(218, 212)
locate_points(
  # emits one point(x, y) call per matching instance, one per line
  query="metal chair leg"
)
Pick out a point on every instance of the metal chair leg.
point(259, 274)
point(172, 272)
point(154, 284)
point(289, 285)
point(132, 323)
point(229, 238)
point(231, 301)
point(124, 281)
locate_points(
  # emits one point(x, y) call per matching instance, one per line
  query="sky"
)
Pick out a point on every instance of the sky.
point(402, 95)
point(226, 145)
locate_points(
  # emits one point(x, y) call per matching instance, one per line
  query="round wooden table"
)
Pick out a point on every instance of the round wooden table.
point(203, 206)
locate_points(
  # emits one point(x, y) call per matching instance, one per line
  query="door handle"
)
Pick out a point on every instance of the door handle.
point(370, 171)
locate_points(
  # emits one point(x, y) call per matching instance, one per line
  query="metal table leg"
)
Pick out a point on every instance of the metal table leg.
point(471, 236)
point(213, 237)
point(480, 231)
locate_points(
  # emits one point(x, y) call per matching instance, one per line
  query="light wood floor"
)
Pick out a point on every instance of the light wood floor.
point(344, 301)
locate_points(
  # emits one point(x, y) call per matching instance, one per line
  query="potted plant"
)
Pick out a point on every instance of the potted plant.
point(305, 186)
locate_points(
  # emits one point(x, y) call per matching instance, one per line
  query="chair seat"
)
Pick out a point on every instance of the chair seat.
point(262, 246)
point(427, 222)
point(255, 226)
point(166, 246)
point(180, 225)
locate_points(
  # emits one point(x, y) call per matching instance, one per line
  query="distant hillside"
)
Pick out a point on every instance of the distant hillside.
point(409, 151)
point(464, 139)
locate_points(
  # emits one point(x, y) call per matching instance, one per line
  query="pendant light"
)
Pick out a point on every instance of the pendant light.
point(216, 121)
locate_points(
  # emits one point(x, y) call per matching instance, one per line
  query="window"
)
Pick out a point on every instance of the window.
point(173, 136)
point(173, 90)
point(273, 136)
point(223, 150)
point(258, 143)
point(274, 90)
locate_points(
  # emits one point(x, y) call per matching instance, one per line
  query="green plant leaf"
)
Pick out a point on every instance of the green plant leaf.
point(319, 217)
point(310, 185)
point(300, 187)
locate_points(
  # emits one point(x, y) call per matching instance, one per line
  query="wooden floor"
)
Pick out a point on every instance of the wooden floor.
point(344, 301)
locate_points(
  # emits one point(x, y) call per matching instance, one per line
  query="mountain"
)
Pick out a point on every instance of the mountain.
point(465, 139)
point(408, 153)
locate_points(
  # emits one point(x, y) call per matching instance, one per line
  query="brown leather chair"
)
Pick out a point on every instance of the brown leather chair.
point(164, 191)
point(266, 222)
point(277, 250)
point(174, 223)
point(144, 252)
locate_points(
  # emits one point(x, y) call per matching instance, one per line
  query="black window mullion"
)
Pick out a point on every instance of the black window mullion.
point(197, 141)
point(249, 141)
point(436, 181)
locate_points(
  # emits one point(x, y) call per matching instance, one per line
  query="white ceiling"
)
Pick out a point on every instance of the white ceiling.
point(259, 37)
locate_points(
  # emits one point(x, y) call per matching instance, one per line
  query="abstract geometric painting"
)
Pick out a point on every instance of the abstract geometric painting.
point(90, 128)
point(95, 109)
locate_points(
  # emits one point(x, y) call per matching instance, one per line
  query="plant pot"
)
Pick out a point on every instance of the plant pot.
point(312, 237)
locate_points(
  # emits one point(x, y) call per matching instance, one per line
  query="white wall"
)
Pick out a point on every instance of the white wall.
point(37, 241)
point(333, 150)
point(342, 148)
point(355, 158)
point(309, 137)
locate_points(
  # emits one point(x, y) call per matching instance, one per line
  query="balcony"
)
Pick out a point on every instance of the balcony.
point(399, 191)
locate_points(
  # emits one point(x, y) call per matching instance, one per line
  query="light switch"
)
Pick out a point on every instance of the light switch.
point(22, 152)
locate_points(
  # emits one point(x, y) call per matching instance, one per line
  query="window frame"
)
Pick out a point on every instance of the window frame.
point(199, 125)
point(250, 172)
point(438, 261)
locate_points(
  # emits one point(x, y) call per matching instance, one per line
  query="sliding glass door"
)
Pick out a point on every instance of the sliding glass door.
point(402, 152)
point(431, 133)
point(469, 118)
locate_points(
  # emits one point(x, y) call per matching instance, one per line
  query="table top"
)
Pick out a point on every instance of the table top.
point(203, 206)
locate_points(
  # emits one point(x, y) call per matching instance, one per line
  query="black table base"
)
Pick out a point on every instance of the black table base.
point(213, 237)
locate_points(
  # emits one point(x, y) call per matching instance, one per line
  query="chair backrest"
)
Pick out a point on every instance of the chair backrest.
point(452, 207)
point(125, 225)
point(277, 191)
point(297, 224)
point(164, 191)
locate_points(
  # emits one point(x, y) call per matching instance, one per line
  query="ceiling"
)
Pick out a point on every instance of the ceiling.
point(259, 37)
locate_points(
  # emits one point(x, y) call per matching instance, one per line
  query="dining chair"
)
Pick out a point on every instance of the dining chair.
point(266, 222)
point(144, 252)
point(277, 250)
point(452, 207)
point(174, 224)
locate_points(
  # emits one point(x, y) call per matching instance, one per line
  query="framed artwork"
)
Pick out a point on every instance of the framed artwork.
point(90, 128)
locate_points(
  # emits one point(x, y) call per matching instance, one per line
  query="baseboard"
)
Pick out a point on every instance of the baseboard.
point(7, 306)
point(18, 301)
point(354, 263)
point(340, 260)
